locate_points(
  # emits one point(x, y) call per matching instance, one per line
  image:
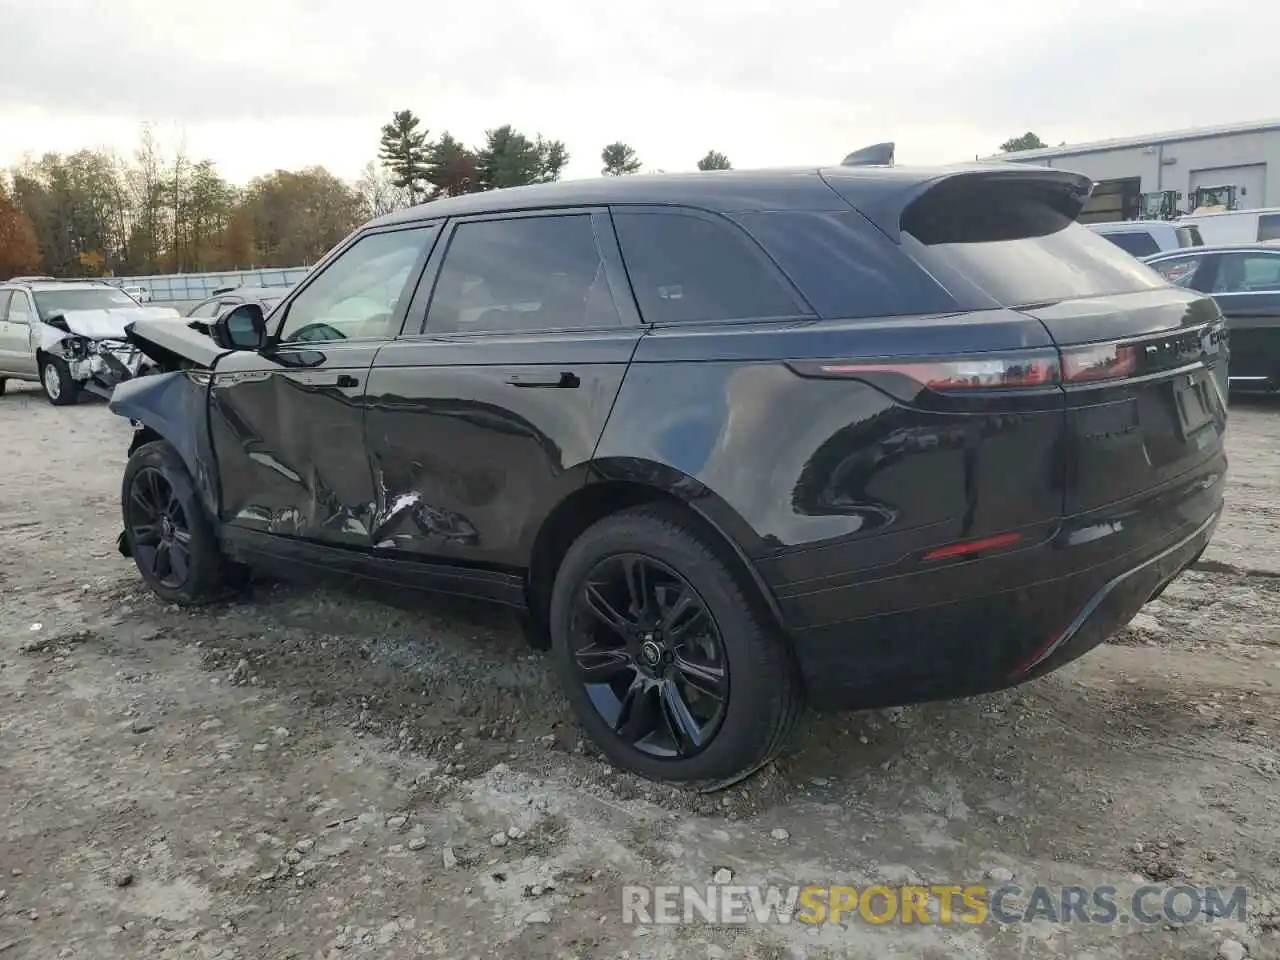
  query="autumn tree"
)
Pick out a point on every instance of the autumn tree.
point(1028, 141)
point(714, 160)
point(19, 249)
point(451, 167)
point(510, 159)
point(296, 217)
point(404, 153)
point(619, 159)
point(378, 195)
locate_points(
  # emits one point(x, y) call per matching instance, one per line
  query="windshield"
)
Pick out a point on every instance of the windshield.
point(57, 301)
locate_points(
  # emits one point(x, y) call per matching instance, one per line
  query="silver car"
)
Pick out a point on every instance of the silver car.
point(69, 335)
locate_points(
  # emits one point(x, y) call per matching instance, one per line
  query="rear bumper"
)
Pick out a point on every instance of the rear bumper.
point(1039, 608)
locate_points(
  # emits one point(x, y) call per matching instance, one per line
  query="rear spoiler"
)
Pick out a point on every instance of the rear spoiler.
point(884, 194)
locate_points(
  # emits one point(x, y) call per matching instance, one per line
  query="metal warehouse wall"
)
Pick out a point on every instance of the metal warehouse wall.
point(1248, 159)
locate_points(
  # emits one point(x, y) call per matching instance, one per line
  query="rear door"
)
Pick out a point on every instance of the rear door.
point(1143, 363)
point(485, 414)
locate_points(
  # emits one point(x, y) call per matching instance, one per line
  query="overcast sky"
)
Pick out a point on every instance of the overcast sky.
point(262, 84)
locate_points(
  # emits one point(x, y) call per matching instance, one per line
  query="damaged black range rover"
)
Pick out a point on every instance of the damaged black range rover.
point(855, 436)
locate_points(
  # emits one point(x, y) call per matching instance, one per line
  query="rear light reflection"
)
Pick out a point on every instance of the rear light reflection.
point(974, 546)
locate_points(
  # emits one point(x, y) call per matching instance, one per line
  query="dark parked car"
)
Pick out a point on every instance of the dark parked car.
point(861, 436)
point(1245, 280)
point(207, 310)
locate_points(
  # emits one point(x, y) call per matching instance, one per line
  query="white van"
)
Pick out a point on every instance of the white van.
point(1236, 226)
point(1142, 238)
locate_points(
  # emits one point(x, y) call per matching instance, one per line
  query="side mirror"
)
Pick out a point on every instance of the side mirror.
point(241, 328)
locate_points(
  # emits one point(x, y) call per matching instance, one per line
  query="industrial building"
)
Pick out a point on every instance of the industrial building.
point(1233, 167)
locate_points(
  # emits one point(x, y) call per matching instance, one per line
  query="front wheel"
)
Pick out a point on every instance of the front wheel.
point(55, 377)
point(670, 661)
point(166, 529)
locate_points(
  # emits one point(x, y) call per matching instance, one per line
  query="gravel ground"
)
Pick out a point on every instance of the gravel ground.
point(308, 774)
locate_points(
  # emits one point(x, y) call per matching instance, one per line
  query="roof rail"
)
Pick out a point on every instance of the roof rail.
point(29, 279)
point(876, 155)
point(222, 290)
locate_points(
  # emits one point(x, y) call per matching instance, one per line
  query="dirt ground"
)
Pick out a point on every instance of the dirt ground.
point(309, 774)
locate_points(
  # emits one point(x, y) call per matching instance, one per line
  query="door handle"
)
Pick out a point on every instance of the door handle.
point(564, 380)
point(346, 380)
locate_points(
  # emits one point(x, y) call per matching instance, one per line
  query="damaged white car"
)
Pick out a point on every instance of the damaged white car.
point(69, 335)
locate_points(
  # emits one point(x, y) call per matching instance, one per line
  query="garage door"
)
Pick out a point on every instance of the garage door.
point(1253, 178)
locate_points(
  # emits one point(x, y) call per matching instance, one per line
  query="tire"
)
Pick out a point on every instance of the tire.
point(55, 378)
point(156, 477)
point(763, 695)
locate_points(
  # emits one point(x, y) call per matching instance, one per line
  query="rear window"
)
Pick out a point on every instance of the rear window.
point(1269, 226)
point(1019, 242)
point(1139, 243)
point(1189, 236)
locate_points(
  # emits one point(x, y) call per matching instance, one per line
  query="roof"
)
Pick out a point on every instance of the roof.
point(1145, 140)
point(41, 285)
point(1255, 246)
point(879, 192)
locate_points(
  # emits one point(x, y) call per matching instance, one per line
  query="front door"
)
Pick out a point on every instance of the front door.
point(17, 314)
point(484, 418)
point(287, 424)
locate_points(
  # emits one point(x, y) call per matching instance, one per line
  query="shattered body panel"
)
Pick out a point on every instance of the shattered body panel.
point(95, 346)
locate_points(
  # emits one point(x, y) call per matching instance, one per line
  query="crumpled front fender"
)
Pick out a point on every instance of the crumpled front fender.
point(175, 407)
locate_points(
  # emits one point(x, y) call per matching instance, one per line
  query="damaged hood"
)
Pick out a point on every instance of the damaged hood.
point(174, 346)
point(110, 324)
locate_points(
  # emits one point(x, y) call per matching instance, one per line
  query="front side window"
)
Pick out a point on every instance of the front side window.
point(1139, 243)
point(357, 296)
point(1248, 273)
point(20, 308)
point(209, 309)
point(520, 274)
point(688, 268)
point(1179, 271)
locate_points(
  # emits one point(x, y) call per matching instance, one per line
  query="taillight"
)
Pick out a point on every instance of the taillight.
point(1105, 361)
point(1008, 371)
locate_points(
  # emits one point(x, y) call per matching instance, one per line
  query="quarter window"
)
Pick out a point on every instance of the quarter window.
point(689, 268)
point(520, 274)
point(357, 296)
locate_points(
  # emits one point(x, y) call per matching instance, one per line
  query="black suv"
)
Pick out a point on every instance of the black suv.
point(859, 436)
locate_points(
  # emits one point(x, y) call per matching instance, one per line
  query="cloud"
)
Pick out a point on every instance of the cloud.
point(268, 82)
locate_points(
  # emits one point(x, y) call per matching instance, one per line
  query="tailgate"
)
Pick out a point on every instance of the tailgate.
point(1145, 377)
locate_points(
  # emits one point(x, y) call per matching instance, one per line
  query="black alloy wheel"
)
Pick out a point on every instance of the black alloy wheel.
point(159, 530)
point(650, 657)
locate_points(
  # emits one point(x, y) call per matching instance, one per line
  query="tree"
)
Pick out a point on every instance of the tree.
point(19, 249)
point(714, 160)
point(1028, 141)
point(296, 217)
point(451, 167)
point(510, 159)
point(404, 152)
point(618, 159)
point(378, 195)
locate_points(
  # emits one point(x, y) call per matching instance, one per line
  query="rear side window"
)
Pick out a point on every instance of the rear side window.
point(684, 267)
point(1179, 271)
point(1139, 243)
point(522, 274)
point(1269, 226)
point(4, 304)
point(1019, 242)
point(1189, 236)
point(1247, 273)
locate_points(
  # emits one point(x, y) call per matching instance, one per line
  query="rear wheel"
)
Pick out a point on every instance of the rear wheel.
point(671, 663)
point(55, 377)
point(166, 529)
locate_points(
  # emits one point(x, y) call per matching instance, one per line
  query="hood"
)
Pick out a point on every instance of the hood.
point(174, 346)
point(110, 324)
